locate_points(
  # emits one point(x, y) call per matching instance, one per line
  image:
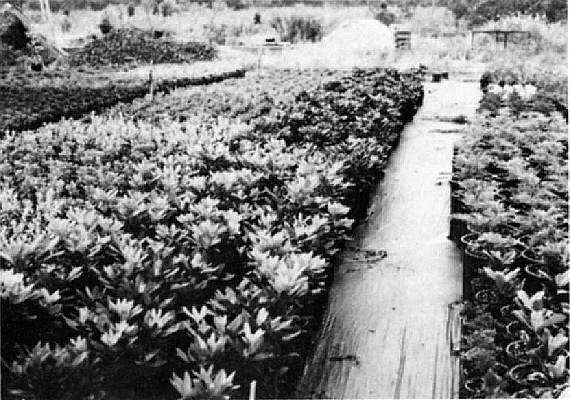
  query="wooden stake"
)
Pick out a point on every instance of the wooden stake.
point(151, 81)
point(252, 388)
point(259, 53)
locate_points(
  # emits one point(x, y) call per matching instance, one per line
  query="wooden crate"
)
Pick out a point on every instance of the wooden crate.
point(403, 40)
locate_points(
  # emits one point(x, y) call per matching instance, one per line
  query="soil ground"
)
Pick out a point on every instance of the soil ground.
point(392, 320)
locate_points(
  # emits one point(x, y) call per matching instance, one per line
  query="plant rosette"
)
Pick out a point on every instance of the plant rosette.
point(501, 260)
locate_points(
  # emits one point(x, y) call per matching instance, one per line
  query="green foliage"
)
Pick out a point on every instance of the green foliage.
point(56, 373)
point(13, 33)
point(29, 103)
point(479, 11)
point(123, 46)
point(105, 26)
point(295, 29)
point(162, 258)
point(514, 180)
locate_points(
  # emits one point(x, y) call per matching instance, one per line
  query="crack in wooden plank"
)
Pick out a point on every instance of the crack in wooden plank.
point(400, 375)
point(454, 327)
point(435, 380)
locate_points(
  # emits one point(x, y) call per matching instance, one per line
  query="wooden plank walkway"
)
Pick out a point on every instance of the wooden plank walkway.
point(392, 319)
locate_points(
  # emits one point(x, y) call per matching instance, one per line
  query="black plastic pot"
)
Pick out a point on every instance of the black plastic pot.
point(474, 387)
point(456, 202)
point(518, 352)
point(507, 313)
point(530, 258)
point(536, 279)
point(555, 265)
point(562, 296)
point(468, 238)
point(514, 328)
point(504, 229)
point(472, 263)
point(454, 229)
point(488, 297)
point(471, 266)
point(524, 394)
point(500, 369)
point(457, 229)
point(524, 375)
point(457, 206)
point(520, 261)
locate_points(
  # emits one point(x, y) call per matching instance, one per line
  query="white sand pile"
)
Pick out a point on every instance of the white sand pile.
point(355, 43)
point(361, 35)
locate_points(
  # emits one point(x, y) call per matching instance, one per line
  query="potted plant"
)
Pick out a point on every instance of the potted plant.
point(516, 329)
point(527, 375)
point(482, 244)
point(533, 313)
point(501, 293)
point(476, 253)
point(555, 256)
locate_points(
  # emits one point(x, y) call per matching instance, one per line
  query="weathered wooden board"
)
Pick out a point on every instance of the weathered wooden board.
point(392, 326)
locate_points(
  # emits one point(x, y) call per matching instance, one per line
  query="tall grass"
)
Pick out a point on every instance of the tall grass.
point(438, 41)
point(545, 36)
point(218, 24)
point(298, 28)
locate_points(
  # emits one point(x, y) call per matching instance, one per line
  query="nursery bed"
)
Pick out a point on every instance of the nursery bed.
point(222, 234)
point(31, 100)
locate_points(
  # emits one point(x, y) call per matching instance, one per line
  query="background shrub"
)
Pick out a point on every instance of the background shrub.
point(13, 33)
point(298, 28)
point(480, 11)
point(105, 26)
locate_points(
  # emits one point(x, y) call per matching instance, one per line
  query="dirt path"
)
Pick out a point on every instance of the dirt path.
point(391, 326)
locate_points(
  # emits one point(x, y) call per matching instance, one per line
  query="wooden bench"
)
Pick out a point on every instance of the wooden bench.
point(498, 33)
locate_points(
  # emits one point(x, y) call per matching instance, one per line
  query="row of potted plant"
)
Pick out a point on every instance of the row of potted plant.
point(510, 190)
point(176, 259)
point(259, 93)
point(515, 344)
point(514, 90)
point(28, 103)
point(509, 199)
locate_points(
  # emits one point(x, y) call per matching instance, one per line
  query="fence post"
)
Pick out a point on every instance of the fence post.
point(151, 82)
